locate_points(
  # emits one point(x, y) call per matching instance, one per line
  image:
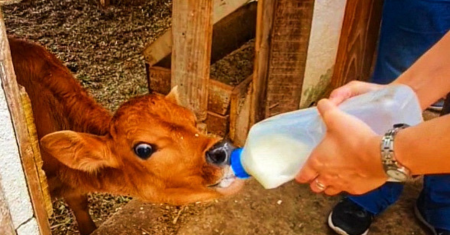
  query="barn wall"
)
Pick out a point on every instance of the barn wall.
point(322, 50)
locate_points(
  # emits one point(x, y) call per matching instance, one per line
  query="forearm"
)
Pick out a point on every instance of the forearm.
point(429, 76)
point(425, 148)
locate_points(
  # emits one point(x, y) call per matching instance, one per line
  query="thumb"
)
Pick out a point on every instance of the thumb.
point(339, 95)
point(327, 111)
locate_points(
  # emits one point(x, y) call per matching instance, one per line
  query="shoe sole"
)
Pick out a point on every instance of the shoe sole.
point(435, 109)
point(339, 230)
point(424, 222)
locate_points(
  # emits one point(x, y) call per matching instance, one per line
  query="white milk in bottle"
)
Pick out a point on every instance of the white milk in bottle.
point(277, 148)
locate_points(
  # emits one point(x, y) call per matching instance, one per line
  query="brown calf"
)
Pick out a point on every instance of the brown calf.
point(149, 149)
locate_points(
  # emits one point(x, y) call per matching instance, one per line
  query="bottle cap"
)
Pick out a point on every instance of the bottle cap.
point(236, 164)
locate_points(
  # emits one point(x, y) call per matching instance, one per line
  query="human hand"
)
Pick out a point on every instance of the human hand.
point(348, 158)
point(351, 89)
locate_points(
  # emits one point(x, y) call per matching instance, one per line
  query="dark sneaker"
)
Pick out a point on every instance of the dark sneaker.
point(435, 231)
point(348, 218)
point(437, 106)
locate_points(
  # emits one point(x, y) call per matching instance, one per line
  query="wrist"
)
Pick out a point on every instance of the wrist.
point(374, 154)
point(399, 146)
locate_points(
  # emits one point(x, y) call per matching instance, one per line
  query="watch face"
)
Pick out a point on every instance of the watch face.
point(397, 175)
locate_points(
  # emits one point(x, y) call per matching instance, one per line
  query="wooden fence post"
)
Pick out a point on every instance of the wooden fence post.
point(192, 35)
point(282, 39)
point(36, 207)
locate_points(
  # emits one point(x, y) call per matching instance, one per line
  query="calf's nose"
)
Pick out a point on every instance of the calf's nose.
point(219, 154)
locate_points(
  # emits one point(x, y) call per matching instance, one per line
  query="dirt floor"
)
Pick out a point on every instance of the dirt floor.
point(288, 210)
point(103, 48)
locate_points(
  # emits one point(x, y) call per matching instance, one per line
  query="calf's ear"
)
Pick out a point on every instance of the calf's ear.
point(80, 151)
point(174, 96)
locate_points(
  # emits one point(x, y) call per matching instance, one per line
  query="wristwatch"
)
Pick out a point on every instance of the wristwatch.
point(394, 170)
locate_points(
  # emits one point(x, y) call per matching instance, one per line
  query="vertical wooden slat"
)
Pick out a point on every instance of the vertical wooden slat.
point(240, 111)
point(34, 142)
point(260, 70)
point(357, 45)
point(192, 35)
point(20, 126)
point(289, 47)
point(162, 46)
point(282, 43)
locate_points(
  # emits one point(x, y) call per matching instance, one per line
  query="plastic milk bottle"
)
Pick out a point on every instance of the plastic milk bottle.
point(276, 148)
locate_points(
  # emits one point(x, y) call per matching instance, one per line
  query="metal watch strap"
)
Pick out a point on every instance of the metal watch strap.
point(387, 151)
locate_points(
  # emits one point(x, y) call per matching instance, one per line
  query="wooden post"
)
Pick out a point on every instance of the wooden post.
point(192, 35)
point(13, 98)
point(162, 47)
point(281, 47)
point(357, 45)
point(260, 71)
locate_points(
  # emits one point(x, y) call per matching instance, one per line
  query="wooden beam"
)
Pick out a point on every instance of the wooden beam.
point(289, 47)
point(192, 35)
point(264, 26)
point(162, 47)
point(358, 42)
point(37, 162)
point(282, 43)
point(226, 36)
point(240, 112)
point(219, 95)
point(217, 124)
point(20, 126)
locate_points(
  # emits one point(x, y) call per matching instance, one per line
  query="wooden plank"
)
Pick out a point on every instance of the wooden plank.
point(219, 94)
point(290, 38)
point(6, 224)
point(162, 47)
point(158, 79)
point(34, 142)
point(13, 98)
point(240, 112)
point(192, 35)
point(217, 124)
point(227, 37)
point(260, 71)
point(230, 33)
point(357, 45)
point(282, 43)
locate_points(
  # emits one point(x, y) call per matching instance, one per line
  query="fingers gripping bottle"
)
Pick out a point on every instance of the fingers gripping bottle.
point(277, 148)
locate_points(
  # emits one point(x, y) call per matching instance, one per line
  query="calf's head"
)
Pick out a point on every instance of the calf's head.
point(154, 151)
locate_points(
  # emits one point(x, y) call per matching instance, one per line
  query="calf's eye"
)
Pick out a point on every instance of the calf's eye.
point(144, 150)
